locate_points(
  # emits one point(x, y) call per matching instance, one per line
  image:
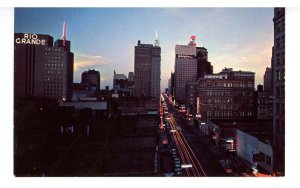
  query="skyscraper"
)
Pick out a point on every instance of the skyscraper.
point(185, 69)
point(147, 70)
point(42, 70)
point(278, 68)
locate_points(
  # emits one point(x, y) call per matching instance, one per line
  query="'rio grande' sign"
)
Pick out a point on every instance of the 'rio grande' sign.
point(30, 39)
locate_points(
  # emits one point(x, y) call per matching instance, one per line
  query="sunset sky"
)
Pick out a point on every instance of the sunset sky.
point(104, 38)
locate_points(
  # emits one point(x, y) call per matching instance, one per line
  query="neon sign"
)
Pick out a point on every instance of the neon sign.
point(30, 39)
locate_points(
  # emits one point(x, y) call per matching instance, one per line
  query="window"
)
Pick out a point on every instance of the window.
point(277, 108)
point(277, 127)
point(278, 42)
point(208, 113)
point(282, 109)
point(277, 92)
point(277, 75)
point(268, 160)
point(278, 59)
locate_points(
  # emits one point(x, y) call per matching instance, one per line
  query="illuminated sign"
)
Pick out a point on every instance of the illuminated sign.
point(30, 39)
point(198, 105)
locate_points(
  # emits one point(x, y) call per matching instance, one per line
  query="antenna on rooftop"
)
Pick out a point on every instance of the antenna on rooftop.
point(64, 36)
point(156, 39)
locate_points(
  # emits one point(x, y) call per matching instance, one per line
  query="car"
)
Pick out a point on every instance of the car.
point(179, 169)
point(169, 174)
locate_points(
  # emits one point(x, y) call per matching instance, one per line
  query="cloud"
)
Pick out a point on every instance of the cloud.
point(248, 57)
point(83, 61)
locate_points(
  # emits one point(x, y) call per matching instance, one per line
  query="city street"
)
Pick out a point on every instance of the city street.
point(192, 148)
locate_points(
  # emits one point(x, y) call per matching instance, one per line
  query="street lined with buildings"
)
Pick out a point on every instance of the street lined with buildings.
point(203, 124)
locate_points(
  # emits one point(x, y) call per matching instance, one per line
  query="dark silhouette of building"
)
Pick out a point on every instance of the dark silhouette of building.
point(122, 85)
point(119, 82)
point(91, 77)
point(278, 68)
point(203, 65)
point(147, 70)
point(260, 88)
point(42, 70)
point(171, 89)
point(268, 81)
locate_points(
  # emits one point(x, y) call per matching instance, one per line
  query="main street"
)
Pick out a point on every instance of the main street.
point(197, 158)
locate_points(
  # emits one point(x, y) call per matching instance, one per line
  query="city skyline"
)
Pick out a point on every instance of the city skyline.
point(98, 43)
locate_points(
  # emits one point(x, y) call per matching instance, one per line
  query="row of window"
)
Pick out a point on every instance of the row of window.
point(53, 79)
point(229, 84)
point(227, 113)
point(53, 95)
point(222, 107)
point(54, 63)
point(219, 100)
point(265, 108)
point(228, 93)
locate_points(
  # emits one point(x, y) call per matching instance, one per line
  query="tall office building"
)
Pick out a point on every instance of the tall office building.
point(185, 69)
point(278, 68)
point(91, 77)
point(147, 70)
point(42, 70)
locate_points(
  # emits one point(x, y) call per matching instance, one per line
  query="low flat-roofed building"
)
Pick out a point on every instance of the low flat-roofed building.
point(258, 152)
point(221, 130)
point(94, 105)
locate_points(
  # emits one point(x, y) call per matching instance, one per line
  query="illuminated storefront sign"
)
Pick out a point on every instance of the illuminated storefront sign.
point(30, 39)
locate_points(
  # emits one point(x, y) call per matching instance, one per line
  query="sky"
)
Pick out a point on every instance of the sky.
point(104, 38)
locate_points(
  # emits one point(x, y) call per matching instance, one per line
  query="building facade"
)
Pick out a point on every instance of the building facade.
point(278, 69)
point(42, 70)
point(147, 70)
point(264, 105)
point(228, 95)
